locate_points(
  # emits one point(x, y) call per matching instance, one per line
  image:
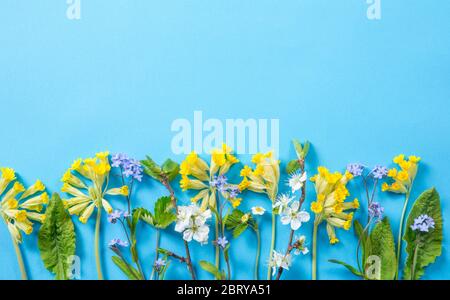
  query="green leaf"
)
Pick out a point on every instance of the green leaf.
point(349, 267)
point(301, 151)
point(383, 246)
point(298, 148)
point(306, 148)
point(171, 169)
point(234, 223)
point(56, 239)
point(292, 166)
point(423, 246)
point(145, 216)
point(365, 241)
point(151, 168)
point(212, 269)
point(238, 230)
point(126, 268)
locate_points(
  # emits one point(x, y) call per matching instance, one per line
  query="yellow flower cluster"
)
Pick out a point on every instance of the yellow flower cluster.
point(264, 178)
point(404, 177)
point(87, 196)
point(19, 212)
point(330, 205)
point(196, 174)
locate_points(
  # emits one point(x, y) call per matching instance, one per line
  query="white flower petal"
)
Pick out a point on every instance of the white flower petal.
point(304, 216)
point(285, 220)
point(295, 224)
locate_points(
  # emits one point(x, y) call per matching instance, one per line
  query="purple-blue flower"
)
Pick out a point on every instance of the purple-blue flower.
point(423, 223)
point(159, 265)
point(379, 172)
point(355, 169)
point(115, 243)
point(130, 167)
point(376, 211)
point(234, 191)
point(114, 216)
point(220, 183)
point(222, 242)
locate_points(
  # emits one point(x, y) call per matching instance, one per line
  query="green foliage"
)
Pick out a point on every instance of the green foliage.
point(349, 267)
point(379, 243)
point(163, 216)
point(212, 269)
point(364, 239)
point(236, 225)
point(382, 245)
point(292, 166)
point(423, 247)
point(169, 169)
point(56, 239)
point(126, 268)
point(301, 151)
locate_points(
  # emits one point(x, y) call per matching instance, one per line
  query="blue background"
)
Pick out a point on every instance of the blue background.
point(359, 90)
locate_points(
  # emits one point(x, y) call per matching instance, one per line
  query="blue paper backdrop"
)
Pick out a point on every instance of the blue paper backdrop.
point(359, 90)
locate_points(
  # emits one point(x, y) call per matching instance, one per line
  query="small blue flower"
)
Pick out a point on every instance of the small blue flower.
point(379, 172)
point(222, 242)
point(355, 169)
point(131, 167)
point(376, 211)
point(115, 243)
point(114, 216)
point(423, 223)
point(159, 265)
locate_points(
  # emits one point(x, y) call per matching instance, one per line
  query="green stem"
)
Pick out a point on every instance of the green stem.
point(158, 238)
point(97, 244)
point(258, 254)
point(314, 253)
point(23, 271)
point(272, 245)
point(413, 269)
point(217, 246)
point(400, 233)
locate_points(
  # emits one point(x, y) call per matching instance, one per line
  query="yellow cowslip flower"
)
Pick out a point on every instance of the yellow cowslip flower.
point(404, 177)
point(86, 181)
point(196, 174)
point(264, 178)
point(19, 212)
point(330, 205)
point(235, 202)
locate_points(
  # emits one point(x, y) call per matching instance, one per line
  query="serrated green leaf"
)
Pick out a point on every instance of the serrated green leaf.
point(163, 216)
point(429, 245)
point(171, 169)
point(235, 224)
point(212, 269)
point(383, 246)
point(164, 212)
point(349, 267)
point(292, 166)
point(151, 168)
point(56, 239)
point(145, 216)
point(126, 268)
point(238, 230)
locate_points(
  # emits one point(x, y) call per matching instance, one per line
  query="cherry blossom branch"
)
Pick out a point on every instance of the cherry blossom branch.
point(291, 237)
point(187, 260)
